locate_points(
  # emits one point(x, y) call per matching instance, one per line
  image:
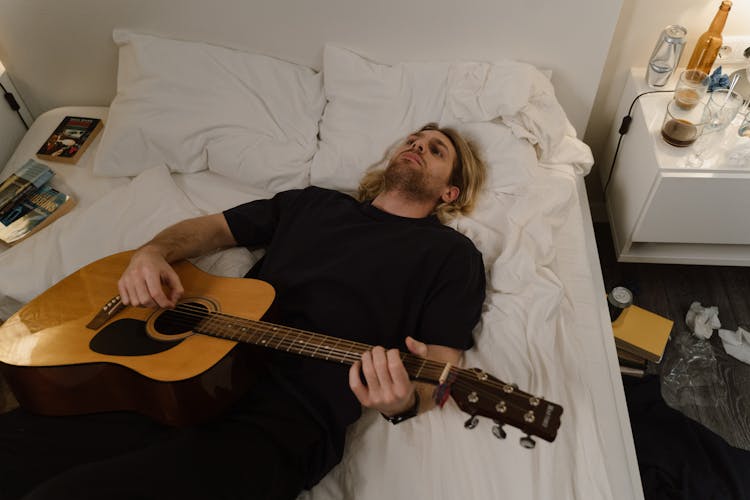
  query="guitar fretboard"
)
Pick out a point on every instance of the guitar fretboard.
point(309, 344)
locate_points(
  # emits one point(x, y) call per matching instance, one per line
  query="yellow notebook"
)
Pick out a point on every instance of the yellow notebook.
point(642, 332)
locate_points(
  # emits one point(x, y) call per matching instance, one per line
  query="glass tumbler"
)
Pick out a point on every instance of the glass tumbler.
point(720, 110)
point(691, 88)
point(681, 127)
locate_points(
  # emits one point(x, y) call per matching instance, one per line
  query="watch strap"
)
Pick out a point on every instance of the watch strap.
point(405, 415)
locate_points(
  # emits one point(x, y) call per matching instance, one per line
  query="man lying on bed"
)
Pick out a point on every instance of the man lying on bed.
point(384, 272)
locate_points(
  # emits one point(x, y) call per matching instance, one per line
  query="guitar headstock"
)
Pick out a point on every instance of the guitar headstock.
point(478, 393)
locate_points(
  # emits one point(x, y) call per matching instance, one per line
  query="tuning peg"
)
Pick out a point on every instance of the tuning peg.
point(498, 431)
point(527, 442)
point(471, 422)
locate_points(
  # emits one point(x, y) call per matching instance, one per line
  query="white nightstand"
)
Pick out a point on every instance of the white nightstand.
point(662, 211)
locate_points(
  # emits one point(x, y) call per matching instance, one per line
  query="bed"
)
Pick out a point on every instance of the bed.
point(171, 150)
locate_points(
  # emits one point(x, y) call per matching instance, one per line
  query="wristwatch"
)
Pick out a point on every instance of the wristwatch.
point(405, 415)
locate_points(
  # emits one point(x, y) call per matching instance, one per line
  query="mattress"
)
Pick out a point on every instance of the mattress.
point(544, 327)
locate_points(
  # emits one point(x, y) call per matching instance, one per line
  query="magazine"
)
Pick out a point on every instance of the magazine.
point(30, 176)
point(29, 202)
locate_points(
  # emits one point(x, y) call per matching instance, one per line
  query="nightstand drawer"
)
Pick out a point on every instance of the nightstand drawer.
point(696, 207)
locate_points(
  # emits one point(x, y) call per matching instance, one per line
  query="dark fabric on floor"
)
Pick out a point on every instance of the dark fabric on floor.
point(679, 458)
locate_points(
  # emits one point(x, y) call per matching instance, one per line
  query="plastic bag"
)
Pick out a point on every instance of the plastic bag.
point(690, 375)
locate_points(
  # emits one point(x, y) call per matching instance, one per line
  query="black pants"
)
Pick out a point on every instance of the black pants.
point(263, 449)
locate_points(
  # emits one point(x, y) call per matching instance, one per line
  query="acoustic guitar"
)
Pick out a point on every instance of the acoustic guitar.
point(76, 349)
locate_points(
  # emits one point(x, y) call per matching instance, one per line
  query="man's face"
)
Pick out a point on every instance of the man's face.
point(421, 167)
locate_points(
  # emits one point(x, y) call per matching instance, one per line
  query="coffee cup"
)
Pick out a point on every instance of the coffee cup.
point(681, 127)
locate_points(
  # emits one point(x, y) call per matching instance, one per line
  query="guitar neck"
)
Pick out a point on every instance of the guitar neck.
point(308, 344)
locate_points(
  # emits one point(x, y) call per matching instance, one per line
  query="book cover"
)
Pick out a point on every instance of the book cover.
point(631, 360)
point(70, 139)
point(33, 213)
point(642, 333)
point(30, 176)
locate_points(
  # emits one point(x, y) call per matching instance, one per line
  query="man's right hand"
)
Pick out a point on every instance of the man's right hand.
point(149, 280)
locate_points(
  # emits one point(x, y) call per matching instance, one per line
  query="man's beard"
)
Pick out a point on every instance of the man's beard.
point(409, 180)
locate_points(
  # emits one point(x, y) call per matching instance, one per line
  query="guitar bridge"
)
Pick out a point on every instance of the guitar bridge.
point(107, 312)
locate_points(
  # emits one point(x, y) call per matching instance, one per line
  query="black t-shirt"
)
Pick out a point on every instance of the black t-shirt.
point(347, 269)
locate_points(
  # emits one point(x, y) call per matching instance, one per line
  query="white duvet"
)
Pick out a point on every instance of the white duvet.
point(526, 335)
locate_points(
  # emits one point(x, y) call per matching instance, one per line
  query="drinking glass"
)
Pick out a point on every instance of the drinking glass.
point(718, 113)
point(681, 127)
point(691, 88)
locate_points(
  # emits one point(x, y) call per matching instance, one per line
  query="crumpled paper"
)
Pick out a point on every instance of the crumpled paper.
point(702, 321)
point(737, 344)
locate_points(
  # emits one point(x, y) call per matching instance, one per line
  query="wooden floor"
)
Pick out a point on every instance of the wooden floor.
point(704, 382)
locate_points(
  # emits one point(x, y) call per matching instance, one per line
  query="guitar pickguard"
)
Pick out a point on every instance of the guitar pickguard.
point(127, 337)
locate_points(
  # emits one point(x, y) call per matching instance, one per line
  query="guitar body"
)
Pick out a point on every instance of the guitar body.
point(56, 365)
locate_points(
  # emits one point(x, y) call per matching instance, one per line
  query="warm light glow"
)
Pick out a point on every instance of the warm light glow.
point(2, 68)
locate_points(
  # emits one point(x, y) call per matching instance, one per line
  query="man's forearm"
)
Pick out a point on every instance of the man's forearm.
point(192, 237)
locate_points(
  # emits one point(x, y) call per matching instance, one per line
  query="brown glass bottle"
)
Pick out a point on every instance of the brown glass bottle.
point(709, 43)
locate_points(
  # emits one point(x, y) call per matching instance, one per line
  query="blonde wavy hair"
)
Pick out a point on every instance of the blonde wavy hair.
point(468, 175)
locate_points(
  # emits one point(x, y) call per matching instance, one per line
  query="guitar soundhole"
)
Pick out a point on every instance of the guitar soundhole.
point(183, 318)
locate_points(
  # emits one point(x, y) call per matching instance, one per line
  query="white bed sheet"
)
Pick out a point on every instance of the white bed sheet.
point(544, 328)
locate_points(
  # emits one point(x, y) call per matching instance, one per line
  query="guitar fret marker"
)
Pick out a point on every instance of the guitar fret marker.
point(420, 368)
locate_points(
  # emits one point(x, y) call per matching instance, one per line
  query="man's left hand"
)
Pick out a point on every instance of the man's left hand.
point(388, 388)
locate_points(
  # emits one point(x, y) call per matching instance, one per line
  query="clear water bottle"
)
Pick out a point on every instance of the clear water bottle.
point(666, 55)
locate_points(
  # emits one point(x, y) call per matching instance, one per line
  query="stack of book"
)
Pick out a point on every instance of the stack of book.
point(641, 337)
point(28, 202)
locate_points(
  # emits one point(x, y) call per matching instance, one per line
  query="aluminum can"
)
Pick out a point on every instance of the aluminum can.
point(666, 55)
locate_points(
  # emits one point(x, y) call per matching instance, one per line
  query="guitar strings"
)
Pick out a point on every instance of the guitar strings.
point(338, 350)
point(263, 328)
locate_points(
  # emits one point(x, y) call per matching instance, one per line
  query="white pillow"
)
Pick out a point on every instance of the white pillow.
point(194, 106)
point(370, 106)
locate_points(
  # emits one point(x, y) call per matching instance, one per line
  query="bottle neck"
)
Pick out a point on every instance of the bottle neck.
point(717, 25)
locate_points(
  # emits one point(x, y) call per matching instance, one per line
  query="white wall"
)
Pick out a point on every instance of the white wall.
point(636, 32)
point(11, 126)
point(61, 53)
